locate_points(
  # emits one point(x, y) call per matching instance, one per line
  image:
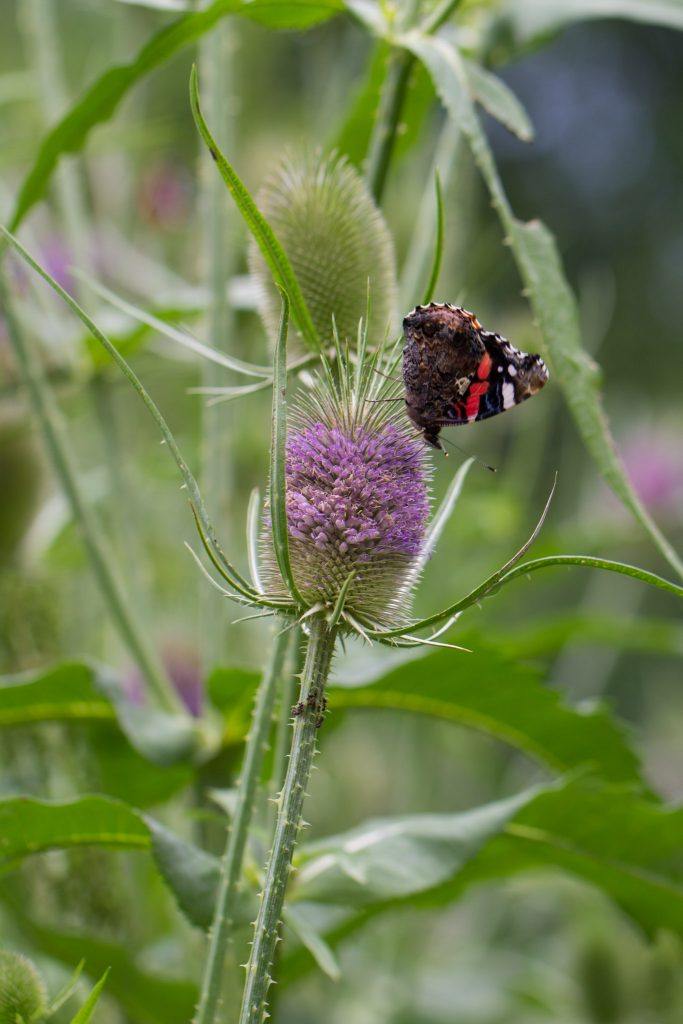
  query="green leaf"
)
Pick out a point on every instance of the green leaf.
point(65, 992)
point(391, 859)
point(192, 874)
point(509, 701)
point(626, 846)
point(30, 826)
point(353, 138)
point(270, 247)
point(91, 697)
point(593, 563)
point(66, 692)
point(86, 1011)
point(550, 634)
point(533, 19)
point(605, 835)
point(278, 443)
point(438, 246)
point(551, 298)
point(296, 919)
point(498, 100)
point(100, 101)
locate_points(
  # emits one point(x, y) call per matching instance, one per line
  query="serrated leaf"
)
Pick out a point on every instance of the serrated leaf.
point(539, 263)
point(605, 835)
point(498, 100)
point(100, 101)
point(509, 701)
point(86, 1011)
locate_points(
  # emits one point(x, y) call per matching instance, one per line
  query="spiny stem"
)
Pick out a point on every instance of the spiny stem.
point(231, 866)
point(316, 670)
point(59, 450)
point(284, 717)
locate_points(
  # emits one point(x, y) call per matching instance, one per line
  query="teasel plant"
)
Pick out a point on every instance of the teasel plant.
point(338, 548)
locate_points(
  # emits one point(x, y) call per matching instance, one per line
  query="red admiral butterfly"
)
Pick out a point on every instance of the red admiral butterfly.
point(456, 372)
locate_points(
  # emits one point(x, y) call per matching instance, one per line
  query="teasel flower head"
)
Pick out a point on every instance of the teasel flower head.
point(357, 499)
point(22, 991)
point(336, 240)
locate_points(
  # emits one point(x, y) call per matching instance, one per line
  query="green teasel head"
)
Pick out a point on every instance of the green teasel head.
point(337, 242)
point(23, 997)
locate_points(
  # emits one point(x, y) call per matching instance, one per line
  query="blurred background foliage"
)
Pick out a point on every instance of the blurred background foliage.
point(604, 173)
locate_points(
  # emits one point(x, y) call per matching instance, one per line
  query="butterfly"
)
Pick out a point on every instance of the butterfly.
point(455, 372)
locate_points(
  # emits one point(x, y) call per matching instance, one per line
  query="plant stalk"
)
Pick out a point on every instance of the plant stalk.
point(56, 442)
point(319, 653)
point(384, 133)
point(231, 866)
point(218, 426)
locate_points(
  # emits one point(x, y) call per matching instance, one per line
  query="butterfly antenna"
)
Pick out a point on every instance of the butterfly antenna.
point(451, 444)
point(386, 376)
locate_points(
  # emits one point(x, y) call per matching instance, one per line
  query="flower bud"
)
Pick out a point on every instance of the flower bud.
point(336, 240)
point(22, 991)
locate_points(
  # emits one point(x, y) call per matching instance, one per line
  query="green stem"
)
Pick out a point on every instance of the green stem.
point(284, 719)
point(383, 140)
point(51, 425)
point(316, 670)
point(401, 63)
point(218, 426)
point(231, 866)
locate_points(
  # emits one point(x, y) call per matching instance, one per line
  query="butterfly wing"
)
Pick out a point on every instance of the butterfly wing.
point(503, 378)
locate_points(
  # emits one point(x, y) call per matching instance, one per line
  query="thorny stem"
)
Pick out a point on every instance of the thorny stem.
point(284, 717)
point(48, 417)
point(319, 652)
point(231, 866)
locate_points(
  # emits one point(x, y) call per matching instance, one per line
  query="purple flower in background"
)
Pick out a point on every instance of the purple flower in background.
point(357, 501)
point(57, 260)
point(654, 463)
point(184, 671)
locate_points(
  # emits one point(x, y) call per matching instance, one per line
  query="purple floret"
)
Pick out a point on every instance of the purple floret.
point(356, 500)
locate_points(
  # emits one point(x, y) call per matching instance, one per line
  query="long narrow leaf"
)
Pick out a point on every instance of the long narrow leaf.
point(475, 595)
point(278, 482)
point(594, 563)
point(438, 245)
point(443, 514)
point(272, 251)
point(101, 100)
point(86, 1011)
point(553, 302)
point(236, 580)
point(181, 337)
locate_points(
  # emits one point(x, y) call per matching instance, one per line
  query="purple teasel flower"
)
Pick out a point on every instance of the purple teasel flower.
point(184, 671)
point(357, 499)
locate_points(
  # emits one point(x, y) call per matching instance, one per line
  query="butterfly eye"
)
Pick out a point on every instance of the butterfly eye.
point(429, 329)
